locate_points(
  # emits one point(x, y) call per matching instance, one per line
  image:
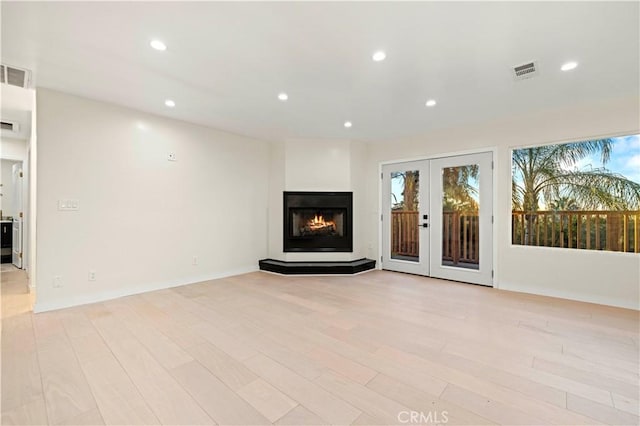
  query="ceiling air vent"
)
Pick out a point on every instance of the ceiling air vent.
point(15, 76)
point(8, 125)
point(524, 71)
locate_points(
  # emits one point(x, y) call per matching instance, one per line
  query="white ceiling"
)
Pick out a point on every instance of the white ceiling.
point(226, 62)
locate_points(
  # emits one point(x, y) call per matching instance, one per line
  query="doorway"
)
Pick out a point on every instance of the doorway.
point(11, 213)
point(437, 218)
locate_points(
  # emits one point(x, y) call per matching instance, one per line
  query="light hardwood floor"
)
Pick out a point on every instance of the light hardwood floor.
point(376, 348)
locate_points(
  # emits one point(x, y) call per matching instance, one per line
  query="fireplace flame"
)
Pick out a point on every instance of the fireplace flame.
point(318, 222)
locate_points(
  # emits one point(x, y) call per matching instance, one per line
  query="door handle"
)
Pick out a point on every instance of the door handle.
point(424, 225)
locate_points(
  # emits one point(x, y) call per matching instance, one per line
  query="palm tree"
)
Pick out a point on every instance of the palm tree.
point(458, 188)
point(410, 184)
point(564, 204)
point(547, 173)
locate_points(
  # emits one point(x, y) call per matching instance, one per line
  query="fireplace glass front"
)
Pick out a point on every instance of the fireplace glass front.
point(315, 221)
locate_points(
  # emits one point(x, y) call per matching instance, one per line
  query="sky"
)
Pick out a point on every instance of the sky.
point(625, 158)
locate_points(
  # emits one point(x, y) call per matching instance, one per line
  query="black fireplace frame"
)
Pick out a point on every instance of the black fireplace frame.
point(320, 201)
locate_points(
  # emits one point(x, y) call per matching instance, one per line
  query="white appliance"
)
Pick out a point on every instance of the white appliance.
point(16, 254)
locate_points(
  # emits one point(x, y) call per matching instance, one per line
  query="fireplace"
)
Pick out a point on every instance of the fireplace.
point(318, 221)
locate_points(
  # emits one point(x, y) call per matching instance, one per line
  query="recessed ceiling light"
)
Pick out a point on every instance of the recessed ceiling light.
point(158, 45)
point(431, 102)
point(283, 96)
point(347, 124)
point(569, 66)
point(170, 103)
point(379, 56)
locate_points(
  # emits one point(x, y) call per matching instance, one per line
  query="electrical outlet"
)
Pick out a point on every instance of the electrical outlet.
point(172, 156)
point(57, 281)
point(195, 260)
point(92, 275)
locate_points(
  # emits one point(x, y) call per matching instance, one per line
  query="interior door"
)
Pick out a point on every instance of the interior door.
point(461, 218)
point(405, 213)
point(16, 254)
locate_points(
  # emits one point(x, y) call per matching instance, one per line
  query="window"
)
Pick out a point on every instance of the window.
point(580, 195)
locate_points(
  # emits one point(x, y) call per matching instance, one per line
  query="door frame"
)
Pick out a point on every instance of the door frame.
point(26, 191)
point(21, 215)
point(494, 158)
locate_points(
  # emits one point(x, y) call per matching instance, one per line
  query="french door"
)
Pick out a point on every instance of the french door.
point(405, 217)
point(437, 218)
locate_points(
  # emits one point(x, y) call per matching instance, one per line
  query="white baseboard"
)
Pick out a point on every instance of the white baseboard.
point(129, 291)
point(579, 297)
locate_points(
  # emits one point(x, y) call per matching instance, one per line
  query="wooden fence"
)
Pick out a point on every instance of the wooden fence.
point(460, 237)
point(590, 230)
point(405, 233)
point(464, 248)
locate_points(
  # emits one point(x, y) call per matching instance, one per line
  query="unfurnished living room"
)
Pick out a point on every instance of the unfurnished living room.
point(320, 213)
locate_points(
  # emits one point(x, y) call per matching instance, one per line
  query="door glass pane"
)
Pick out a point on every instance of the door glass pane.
point(404, 215)
point(460, 217)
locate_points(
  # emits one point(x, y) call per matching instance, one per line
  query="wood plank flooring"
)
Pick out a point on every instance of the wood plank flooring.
point(376, 348)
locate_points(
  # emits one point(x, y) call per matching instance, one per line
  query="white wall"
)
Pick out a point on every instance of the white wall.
point(13, 149)
point(141, 218)
point(316, 165)
point(599, 277)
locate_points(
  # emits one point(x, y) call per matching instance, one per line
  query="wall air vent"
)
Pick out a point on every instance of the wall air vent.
point(9, 126)
point(15, 76)
point(525, 71)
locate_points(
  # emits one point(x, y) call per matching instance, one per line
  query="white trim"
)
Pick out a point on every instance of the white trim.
point(494, 223)
point(573, 250)
point(12, 158)
point(576, 139)
point(379, 219)
point(129, 291)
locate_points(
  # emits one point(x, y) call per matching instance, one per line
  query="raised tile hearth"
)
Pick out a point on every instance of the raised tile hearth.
point(320, 268)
